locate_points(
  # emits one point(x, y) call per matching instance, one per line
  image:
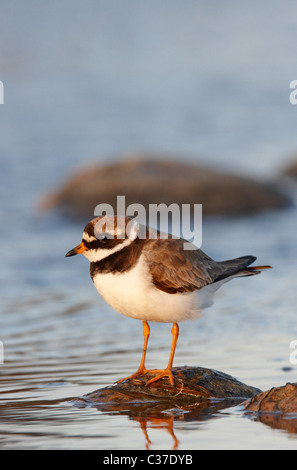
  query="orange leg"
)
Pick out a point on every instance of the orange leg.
point(141, 369)
point(168, 371)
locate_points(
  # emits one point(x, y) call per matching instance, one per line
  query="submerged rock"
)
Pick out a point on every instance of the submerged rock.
point(192, 385)
point(198, 395)
point(276, 407)
point(154, 181)
point(281, 399)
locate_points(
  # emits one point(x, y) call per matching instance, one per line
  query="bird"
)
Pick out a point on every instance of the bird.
point(147, 275)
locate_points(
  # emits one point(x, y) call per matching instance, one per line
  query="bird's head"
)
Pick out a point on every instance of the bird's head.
point(105, 235)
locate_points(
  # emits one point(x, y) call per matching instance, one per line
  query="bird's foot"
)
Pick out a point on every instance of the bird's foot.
point(162, 373)
point(140, 371)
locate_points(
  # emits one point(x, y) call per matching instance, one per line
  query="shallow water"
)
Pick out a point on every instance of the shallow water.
point(92, 89)
point(62, 341)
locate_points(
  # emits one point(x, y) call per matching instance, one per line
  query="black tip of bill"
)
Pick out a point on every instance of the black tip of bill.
point(71, 253)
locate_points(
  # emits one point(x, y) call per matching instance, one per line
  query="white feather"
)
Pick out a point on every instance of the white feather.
point(98, 255)
point(133, 294)
point(89, 238)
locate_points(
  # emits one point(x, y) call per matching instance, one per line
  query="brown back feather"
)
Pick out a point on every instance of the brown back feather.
point(175, 270)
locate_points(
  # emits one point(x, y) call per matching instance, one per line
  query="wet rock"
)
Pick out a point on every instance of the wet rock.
point(153, 181)
point(192, 385)
point(198, 396)
point(280, 399)
point(276, 407)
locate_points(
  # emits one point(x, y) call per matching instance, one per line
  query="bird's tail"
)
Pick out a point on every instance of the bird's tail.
point(251, 271)
point(240, 267)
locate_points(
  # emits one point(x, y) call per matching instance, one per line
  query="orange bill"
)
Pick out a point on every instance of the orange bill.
point(78, 249)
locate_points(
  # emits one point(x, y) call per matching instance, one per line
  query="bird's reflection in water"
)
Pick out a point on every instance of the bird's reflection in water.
point(165, 423)
point(158, 415)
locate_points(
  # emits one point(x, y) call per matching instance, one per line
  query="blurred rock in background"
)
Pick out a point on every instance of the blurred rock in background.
point(291, 170)
point(147, 179)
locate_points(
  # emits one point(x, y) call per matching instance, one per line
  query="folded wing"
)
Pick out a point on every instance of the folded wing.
point(175, 270)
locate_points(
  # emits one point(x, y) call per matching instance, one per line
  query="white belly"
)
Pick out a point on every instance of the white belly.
point(134, 295)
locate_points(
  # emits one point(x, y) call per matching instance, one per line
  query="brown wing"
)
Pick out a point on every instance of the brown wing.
point(174, 269)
